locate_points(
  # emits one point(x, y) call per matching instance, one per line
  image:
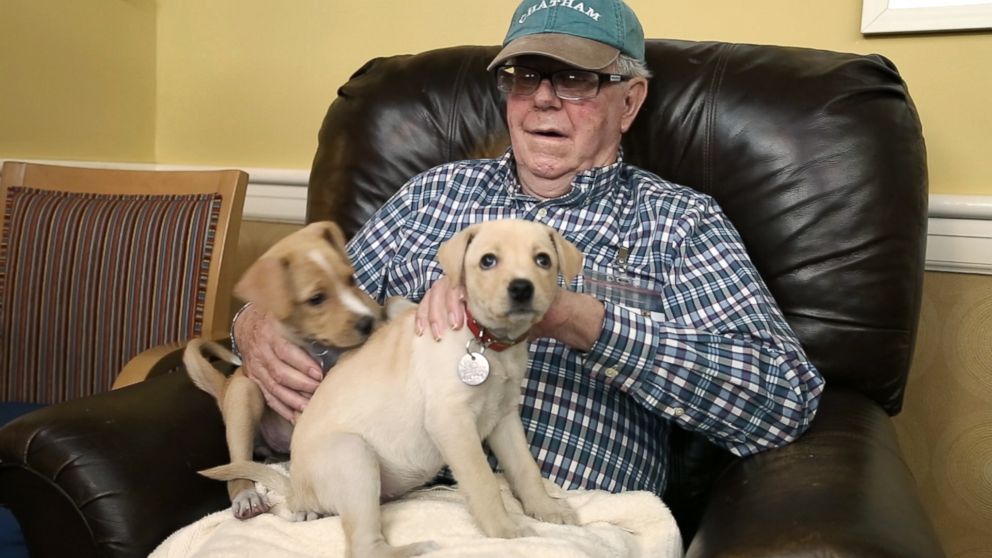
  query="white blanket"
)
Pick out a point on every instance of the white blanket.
point(628, 524)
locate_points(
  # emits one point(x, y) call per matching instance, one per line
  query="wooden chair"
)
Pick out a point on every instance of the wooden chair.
point(103, 271)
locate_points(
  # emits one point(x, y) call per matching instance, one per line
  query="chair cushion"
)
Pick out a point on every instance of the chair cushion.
point(11, 539)
point(9, 410)
point(87, 281)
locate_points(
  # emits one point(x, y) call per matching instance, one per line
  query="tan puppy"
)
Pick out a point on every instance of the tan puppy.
point(305, 281)
point(392, 413)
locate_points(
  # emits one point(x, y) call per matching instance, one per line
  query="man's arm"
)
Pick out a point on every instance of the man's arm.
point(720, 358)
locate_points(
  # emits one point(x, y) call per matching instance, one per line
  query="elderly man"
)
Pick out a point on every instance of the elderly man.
point(670, 322)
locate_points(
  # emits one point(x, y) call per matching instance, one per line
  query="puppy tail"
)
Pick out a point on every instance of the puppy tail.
point(203, 374)
point(257, 472)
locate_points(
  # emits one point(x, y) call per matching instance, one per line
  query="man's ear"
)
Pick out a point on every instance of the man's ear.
point(331, 232)
point(633, 98)
point(569, 257)
point(451, 254)
point(265, 285)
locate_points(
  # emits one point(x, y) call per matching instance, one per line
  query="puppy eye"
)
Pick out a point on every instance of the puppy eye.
point(352, 281)
point(543, 260)
point(487, 261)
point(317, 299)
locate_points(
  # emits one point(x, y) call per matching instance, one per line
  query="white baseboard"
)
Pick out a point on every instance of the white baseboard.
point(960, 245)
point(959, 238)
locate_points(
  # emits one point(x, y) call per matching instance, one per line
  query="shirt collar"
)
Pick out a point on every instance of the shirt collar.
point(584, 182)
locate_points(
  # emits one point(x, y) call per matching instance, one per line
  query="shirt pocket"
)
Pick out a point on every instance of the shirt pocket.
point(613, 276)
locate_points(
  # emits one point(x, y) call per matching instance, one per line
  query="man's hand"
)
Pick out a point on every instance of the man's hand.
point(286, 374)
point(574, 319)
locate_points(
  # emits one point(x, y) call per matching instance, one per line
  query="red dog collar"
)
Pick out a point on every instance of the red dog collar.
point(487, 339)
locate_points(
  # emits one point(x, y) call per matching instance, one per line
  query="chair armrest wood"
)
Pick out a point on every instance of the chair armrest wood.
point(157, 360)
point(840, 490)
point(113, 474)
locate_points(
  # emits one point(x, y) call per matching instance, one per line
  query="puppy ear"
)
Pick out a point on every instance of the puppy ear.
point(451, 254)
point(265, 285)
point(331, 232)
point(569, 257)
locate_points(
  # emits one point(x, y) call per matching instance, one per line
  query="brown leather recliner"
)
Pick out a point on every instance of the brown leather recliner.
point(818, 159)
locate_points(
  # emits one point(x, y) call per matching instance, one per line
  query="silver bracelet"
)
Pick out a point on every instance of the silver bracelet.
point(234, 320)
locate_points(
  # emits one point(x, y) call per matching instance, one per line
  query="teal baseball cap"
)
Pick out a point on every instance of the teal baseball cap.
point(587, 34)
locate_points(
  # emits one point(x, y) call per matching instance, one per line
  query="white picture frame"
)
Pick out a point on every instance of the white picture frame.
point(913, 16)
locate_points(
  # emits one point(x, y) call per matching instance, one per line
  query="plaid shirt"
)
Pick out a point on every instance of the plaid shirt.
point(715, 355)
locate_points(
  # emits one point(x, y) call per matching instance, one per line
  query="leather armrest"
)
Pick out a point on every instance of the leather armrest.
point(840, 490)
point(113, 474)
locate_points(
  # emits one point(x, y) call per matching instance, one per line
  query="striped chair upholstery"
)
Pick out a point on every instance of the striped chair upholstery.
point(88, 281)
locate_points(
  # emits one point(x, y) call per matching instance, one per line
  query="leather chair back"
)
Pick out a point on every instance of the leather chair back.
point(817, 157)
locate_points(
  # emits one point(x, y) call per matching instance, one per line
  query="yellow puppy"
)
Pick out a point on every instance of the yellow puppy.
point(393, 412)
point(306, 281)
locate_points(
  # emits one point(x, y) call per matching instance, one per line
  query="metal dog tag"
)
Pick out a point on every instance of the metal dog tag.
point(473, 368)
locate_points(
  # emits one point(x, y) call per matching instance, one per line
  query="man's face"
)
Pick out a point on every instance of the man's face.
point(554, 139)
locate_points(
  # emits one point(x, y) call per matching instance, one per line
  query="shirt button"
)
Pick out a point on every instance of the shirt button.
point(678, 411)
point(542, 213)
point(612, 372)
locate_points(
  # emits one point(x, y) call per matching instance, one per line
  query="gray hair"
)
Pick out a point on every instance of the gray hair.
point(623, 65)
point(628, 66)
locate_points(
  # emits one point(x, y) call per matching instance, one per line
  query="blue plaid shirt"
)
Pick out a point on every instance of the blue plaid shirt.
point(713, 355)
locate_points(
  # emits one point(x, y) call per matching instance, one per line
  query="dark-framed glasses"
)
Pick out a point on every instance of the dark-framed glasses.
point(569, 84)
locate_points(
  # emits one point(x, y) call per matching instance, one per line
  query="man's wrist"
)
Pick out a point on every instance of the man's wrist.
point(590, 328)
point(234, 322)
point(583, 323)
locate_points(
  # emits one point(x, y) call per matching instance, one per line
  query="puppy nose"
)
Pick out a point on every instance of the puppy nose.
point(521, 290)
point(364, 325)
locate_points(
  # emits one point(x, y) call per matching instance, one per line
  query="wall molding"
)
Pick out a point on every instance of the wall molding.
point(959, 237)
point(273, 194)
point(959, 234)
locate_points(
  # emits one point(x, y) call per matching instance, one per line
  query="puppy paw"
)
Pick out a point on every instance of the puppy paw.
point(414, 549)
point(520, 531)
point(551, 510)
point(248, 503)
point(298, 516)
point(507, 529)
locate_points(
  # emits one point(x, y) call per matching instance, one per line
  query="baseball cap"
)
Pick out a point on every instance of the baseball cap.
point(587, 34)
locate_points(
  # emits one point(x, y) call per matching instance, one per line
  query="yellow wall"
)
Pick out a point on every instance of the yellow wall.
point(77, 79)
point(265, 72)
point(246, 82)
point(945, 428)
